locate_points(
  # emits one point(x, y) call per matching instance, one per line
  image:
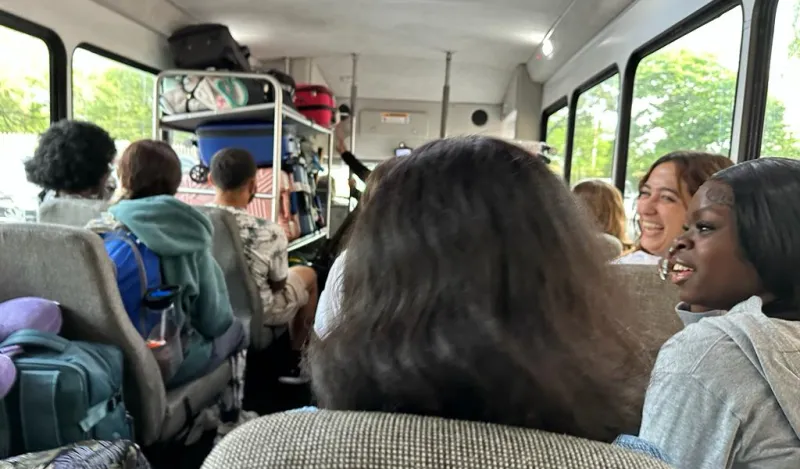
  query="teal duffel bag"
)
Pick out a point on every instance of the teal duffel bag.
point(65, 392)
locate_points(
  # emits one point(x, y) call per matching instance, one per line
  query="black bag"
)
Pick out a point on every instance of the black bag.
point(203, 46)
point(287, 83)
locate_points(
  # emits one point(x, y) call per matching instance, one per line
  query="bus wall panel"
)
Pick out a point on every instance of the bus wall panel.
point(642, 22)
point(380, 144)
point(78, 21)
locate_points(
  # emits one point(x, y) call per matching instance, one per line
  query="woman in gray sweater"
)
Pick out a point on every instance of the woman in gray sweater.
point(724, 391)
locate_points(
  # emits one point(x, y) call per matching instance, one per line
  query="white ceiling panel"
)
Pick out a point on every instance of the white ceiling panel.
point(402, 42)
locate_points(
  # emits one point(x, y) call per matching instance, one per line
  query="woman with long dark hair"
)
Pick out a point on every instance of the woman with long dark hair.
point(474, 290)
point(724, 390)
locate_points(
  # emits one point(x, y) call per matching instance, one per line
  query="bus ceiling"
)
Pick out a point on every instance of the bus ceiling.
point(401, 43)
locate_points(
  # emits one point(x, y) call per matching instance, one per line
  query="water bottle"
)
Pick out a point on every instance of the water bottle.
point(164, 338)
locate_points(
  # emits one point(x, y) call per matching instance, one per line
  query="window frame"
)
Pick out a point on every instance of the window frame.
point(757, 74)
point(548, 112)
point(558, 105)
point(691, 23)
point(87, 46)
point(595, 80)
point(105, 53)
point(57, 59)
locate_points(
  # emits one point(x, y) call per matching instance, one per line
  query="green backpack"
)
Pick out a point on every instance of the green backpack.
point(65, 392)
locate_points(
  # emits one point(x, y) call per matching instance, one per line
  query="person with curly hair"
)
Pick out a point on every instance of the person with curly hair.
point(73, 160)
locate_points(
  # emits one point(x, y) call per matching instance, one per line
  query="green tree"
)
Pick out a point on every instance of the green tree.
point(119, 100)
point(794, 46)
point(682, 100)
point(595, 131)
point(24, 110)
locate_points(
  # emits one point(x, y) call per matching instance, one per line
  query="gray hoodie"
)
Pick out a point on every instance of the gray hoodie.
point(725, 393)
point(688, 317)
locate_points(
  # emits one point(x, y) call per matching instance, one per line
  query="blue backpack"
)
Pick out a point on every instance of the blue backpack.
point(138, 270)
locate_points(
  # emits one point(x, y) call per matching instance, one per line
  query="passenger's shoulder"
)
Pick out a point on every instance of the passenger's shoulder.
point(698, 346)
point(637, 257)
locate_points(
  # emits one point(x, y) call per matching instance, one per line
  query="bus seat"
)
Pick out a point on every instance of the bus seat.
point(611, 246)
point(199, 394)
point(359, 439)
point(653, 297)
point(71, 266)
point(245, 298)
point(71, 212)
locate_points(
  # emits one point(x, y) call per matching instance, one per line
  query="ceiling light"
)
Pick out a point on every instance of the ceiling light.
point(547, 47)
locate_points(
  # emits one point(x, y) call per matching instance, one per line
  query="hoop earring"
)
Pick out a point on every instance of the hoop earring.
point(663, 264)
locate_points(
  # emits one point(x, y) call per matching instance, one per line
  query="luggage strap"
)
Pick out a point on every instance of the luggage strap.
point(5, 431)
point(39, 418)
point(98, 412)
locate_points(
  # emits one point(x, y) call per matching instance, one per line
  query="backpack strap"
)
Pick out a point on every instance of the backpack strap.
point(125, 237)
point(98, 412)
point(36, 338)
point(37, 393)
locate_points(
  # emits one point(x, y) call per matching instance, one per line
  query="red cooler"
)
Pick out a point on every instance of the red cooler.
point(317, 103)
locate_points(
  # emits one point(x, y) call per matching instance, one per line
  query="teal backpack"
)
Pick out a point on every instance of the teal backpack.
point(65, 392)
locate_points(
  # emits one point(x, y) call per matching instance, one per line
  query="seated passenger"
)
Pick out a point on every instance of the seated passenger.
point(150, 173)
point(724, 392)
point(330, 299)
point(467, 304)
point(289, 295)
point(73, 160)
point(604, 205)
point(664, 194)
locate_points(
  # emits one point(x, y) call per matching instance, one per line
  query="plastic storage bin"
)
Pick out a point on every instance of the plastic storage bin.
point(257, 138)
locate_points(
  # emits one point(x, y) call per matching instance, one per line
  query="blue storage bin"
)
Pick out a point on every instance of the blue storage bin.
point(255, 137)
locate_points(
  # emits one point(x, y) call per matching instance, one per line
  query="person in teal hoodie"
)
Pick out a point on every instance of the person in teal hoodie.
point(150, 174)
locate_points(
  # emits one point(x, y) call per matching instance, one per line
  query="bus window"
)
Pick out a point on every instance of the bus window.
point(113, 95)
point(556, 137)
point(183, 144)
point(24, 114)
point(781, 135)
point(684, 93)
point(595, 131)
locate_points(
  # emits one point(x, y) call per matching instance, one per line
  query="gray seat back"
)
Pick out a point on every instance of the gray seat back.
point(71, 212)
point(71, 266)
point(244, 295)
point(325, 439)
point(610, 245)
point(652, 297)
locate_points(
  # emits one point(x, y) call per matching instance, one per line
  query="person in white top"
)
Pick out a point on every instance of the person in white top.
point(664, 194)
point(330, 299)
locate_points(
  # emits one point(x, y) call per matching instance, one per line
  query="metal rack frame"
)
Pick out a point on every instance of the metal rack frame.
point(188, 122)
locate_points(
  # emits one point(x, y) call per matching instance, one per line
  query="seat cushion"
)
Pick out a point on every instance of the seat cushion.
point(326, 439)
point(200, 393)
point(652, 297)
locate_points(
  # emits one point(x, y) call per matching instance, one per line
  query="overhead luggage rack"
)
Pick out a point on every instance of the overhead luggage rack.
point(276, 113)
point(189, 122)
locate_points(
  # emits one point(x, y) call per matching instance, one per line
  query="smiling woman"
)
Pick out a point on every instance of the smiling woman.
point(738, 255)
point(664, 194)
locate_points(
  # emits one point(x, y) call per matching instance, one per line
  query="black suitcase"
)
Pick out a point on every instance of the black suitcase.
point(203, 46)
point(287, 83)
